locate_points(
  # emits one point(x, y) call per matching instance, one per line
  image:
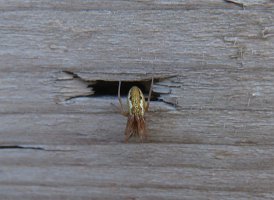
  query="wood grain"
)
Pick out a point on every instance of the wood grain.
point(211, 132)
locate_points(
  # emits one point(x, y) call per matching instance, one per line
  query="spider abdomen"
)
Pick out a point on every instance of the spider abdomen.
point(136, 102)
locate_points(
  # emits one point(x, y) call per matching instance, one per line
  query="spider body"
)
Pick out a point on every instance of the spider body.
point(137, 106)
point(136, 102)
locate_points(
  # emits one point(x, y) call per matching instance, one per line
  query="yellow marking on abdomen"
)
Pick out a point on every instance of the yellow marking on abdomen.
point(136, 101)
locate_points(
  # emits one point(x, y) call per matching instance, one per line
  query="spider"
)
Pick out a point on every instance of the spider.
point(137, 106)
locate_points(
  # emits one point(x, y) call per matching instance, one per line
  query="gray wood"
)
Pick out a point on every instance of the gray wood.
point(210, 136)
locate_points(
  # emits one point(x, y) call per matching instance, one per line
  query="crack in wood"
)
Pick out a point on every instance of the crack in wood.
point(20, 147)
point(71, 73)
point(236, 3)
point(29, 148)
point(109, 86)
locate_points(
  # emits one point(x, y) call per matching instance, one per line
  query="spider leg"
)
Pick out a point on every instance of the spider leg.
point(149, 95)
point(120, 101)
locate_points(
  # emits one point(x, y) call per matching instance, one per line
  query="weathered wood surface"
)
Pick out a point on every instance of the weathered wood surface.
point(216, 143)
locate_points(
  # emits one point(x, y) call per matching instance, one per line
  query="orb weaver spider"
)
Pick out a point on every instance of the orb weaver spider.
point(137, 106)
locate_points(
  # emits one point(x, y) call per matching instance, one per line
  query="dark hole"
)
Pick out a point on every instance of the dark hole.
point(110, 88)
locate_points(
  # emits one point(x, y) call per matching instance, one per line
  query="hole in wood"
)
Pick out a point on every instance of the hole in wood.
point(110, 88)
point(73, 86)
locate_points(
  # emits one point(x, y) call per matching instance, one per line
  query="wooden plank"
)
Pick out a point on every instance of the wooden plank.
point(225, 90)
point(211, 132)
point(100, 169)
point(188, 128)
point(99, 40)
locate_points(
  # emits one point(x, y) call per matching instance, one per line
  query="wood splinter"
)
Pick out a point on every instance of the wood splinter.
point(137, 106)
